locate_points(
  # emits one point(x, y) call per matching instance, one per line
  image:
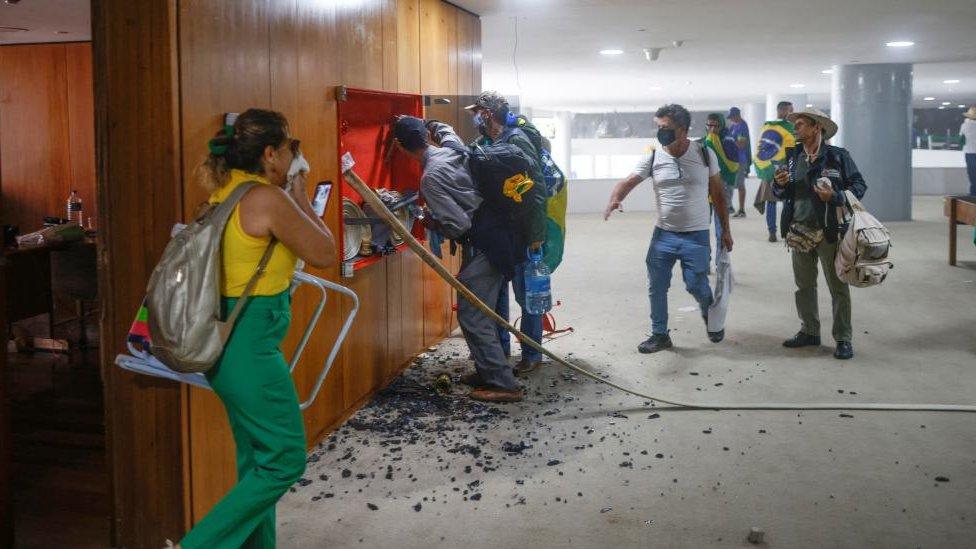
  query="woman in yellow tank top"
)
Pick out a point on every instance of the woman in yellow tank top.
point(252, 377)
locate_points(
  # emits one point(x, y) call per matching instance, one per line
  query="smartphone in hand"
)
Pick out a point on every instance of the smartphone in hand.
point(321, 197)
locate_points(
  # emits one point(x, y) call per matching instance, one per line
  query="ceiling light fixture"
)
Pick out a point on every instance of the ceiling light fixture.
point(827, 71)
point(652, 54)
point(952, 81)
point(611, 52)
point(930, 98)
point(946, 102)
point(798, 85)
point(809, 105)
point(941, 108)
point(962, 106)
point(900, 44)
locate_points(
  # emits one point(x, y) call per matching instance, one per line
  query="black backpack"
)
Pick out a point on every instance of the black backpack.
point(501, 172)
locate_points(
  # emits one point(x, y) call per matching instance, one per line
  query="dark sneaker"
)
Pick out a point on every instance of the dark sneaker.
point(772, 237)
point(844, 351)
point(526, 367)
point(495, 394)
point(802, 340)
point(472, 380)
point(655, 343)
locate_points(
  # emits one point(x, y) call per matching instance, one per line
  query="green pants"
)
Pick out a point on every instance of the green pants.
point(253, 381)
point(805, 274)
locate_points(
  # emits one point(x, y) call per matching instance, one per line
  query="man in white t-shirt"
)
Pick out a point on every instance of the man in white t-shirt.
point(968, 131)
point(685, 173)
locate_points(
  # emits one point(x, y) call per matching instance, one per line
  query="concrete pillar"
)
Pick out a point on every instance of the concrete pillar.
point(872, 107)
point(799, 101)
point(562, 146)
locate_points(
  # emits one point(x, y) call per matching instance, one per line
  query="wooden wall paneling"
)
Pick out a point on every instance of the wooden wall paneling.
point(397, 318)
point(437, 304)
point(138, 182)
point(366, 346)
point(476, 68)
point(465, 55)
point(408, 46)
point(391, 61)
point(224, 67)
point(359, 26)
point(6, 436)
point(412, 304)
point(81, 126)
point(313, 120)
point(34, 144)
point(438, 47)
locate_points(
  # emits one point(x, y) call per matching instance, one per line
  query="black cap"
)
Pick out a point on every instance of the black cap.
point(410, 132)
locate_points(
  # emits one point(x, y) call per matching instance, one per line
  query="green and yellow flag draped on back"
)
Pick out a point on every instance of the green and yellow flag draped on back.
point(727, 152)
point(775, 137)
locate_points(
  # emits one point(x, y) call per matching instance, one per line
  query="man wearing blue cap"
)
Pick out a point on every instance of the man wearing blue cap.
point(739, 130)
point(455, 210)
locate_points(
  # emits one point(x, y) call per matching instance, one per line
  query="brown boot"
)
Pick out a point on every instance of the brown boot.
point(472, 380)
point(490, 393)
point(526, 367)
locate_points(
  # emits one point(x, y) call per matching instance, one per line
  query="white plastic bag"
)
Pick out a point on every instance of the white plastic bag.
point(722, 293)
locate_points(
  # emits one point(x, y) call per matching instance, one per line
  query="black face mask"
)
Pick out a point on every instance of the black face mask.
point(666, 136)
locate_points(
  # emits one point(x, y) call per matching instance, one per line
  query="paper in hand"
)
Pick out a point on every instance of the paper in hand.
point(347, 162)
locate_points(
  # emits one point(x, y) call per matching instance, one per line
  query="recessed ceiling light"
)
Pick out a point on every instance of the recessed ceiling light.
point(900, 44)
point(942, 108)
point(930, 98)
point(946, 102)
point(952, 81)
point(809, 105)
point(962, 106)
point(611, 52)
point(827, 71)
point(798, 85)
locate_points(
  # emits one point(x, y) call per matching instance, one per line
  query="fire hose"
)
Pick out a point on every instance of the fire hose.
point(427, 257)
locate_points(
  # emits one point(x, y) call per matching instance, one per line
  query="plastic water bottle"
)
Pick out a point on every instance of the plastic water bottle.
point(75, 209)
point(538, 294)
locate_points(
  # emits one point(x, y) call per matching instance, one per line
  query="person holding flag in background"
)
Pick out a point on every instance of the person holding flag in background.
point(739, 131)
point(727, 151)
point(772, 135)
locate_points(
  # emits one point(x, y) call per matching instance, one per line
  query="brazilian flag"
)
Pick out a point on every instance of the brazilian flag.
point(775, 137)
point(726, 151)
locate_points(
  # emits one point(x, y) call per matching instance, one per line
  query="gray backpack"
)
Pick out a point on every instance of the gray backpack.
point(862, 254)
point(183, 296)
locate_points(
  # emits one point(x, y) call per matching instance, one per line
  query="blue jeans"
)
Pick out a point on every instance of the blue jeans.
point(530, 325)
point(694, 252)
point(771, 217)
point(971, 170)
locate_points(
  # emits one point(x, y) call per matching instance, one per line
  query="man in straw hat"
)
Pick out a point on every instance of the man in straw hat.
point(968, 131)
point(812, 185)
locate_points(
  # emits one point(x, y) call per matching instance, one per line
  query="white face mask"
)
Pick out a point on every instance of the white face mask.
point(298, 166)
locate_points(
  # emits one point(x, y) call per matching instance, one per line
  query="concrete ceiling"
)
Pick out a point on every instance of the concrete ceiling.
point(45, 21)
point(733, 52)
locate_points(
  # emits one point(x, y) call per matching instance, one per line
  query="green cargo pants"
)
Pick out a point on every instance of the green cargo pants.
point(805, 274)
point(253, 381)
